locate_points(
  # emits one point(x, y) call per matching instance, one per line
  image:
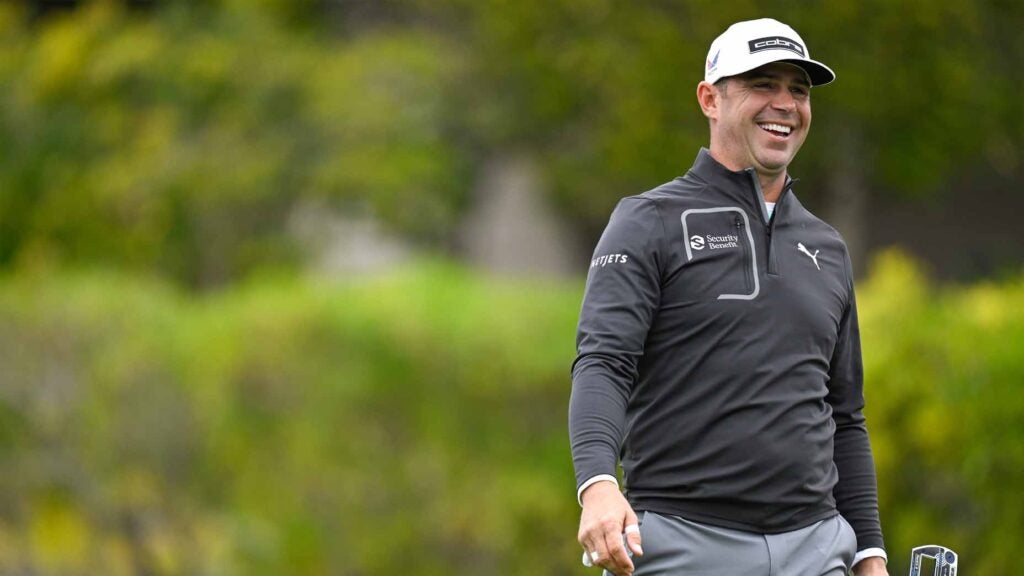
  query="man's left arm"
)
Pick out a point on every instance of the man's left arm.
point(856, 493)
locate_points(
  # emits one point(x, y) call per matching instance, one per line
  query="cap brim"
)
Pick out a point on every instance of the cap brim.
point(818, 73)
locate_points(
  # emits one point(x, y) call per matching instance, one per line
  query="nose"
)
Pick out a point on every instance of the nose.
point(784, 101)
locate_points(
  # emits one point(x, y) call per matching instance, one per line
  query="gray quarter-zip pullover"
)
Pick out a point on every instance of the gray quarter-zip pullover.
point(719, 360)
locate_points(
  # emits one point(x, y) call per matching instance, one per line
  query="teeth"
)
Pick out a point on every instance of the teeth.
point(776, 128)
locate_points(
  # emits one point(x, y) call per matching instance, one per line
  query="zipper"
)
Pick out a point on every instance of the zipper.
point(747, 270)
point(769, 227)
point(770, 265)
point(763, 216)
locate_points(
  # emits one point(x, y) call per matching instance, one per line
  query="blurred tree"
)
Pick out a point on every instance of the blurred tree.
point(179, 143)
point(178, 140)
point(603, 91)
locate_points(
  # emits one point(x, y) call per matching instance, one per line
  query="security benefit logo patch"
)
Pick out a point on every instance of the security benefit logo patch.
point(720, 255)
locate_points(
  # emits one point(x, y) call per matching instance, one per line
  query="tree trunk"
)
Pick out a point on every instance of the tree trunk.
point(510, 227)
point(846, 201)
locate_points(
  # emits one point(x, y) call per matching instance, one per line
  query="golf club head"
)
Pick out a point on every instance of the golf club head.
point(945, 560)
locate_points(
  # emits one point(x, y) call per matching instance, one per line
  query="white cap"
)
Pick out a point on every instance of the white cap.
point(747, 45)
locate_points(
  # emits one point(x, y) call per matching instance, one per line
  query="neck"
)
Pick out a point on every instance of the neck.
point(771, 185)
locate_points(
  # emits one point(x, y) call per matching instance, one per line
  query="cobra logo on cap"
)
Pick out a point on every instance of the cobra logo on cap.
point(776, 43)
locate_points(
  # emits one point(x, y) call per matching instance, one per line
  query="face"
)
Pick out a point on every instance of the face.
point(760, 119)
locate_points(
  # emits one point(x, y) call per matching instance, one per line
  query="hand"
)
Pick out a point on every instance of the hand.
point(605, 517)
point(873, 566)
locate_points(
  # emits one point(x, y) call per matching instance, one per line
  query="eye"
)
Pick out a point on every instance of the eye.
point(800, 90)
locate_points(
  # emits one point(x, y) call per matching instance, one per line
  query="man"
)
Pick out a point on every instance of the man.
point(719, 353)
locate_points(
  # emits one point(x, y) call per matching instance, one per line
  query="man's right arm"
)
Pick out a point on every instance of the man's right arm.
point(621, 299)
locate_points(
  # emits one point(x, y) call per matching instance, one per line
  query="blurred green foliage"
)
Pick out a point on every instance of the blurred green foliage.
point(944, 369)
point(177, 140)
point(178, 143)
point(409, 425)
point(605, 91)
point(416, 423)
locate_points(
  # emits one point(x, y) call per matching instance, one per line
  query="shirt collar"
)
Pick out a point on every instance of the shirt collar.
point(741, 186)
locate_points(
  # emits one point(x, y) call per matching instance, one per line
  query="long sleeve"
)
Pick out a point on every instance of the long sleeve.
point(856, 492)
point(619, 304)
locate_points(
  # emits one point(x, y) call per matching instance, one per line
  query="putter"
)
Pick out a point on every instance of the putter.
point(945, 560)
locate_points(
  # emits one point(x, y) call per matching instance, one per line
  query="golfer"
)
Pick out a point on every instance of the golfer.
point(719, 356)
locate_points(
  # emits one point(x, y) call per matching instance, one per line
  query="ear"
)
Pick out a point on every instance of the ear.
point(707, 97)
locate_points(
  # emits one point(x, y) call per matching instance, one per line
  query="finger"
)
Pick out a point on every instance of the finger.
point(587, 562)
point(596, 551)
point(617, 556)
point(588, 558)
point(587, 542)
point(632, 532)
point(600, 556)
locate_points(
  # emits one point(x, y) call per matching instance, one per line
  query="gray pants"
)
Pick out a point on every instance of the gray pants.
point(677, 547)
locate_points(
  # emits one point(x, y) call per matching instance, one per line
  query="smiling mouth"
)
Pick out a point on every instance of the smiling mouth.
point(776, 129)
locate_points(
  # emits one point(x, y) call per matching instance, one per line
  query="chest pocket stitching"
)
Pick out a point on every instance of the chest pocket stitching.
point(750, 240)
